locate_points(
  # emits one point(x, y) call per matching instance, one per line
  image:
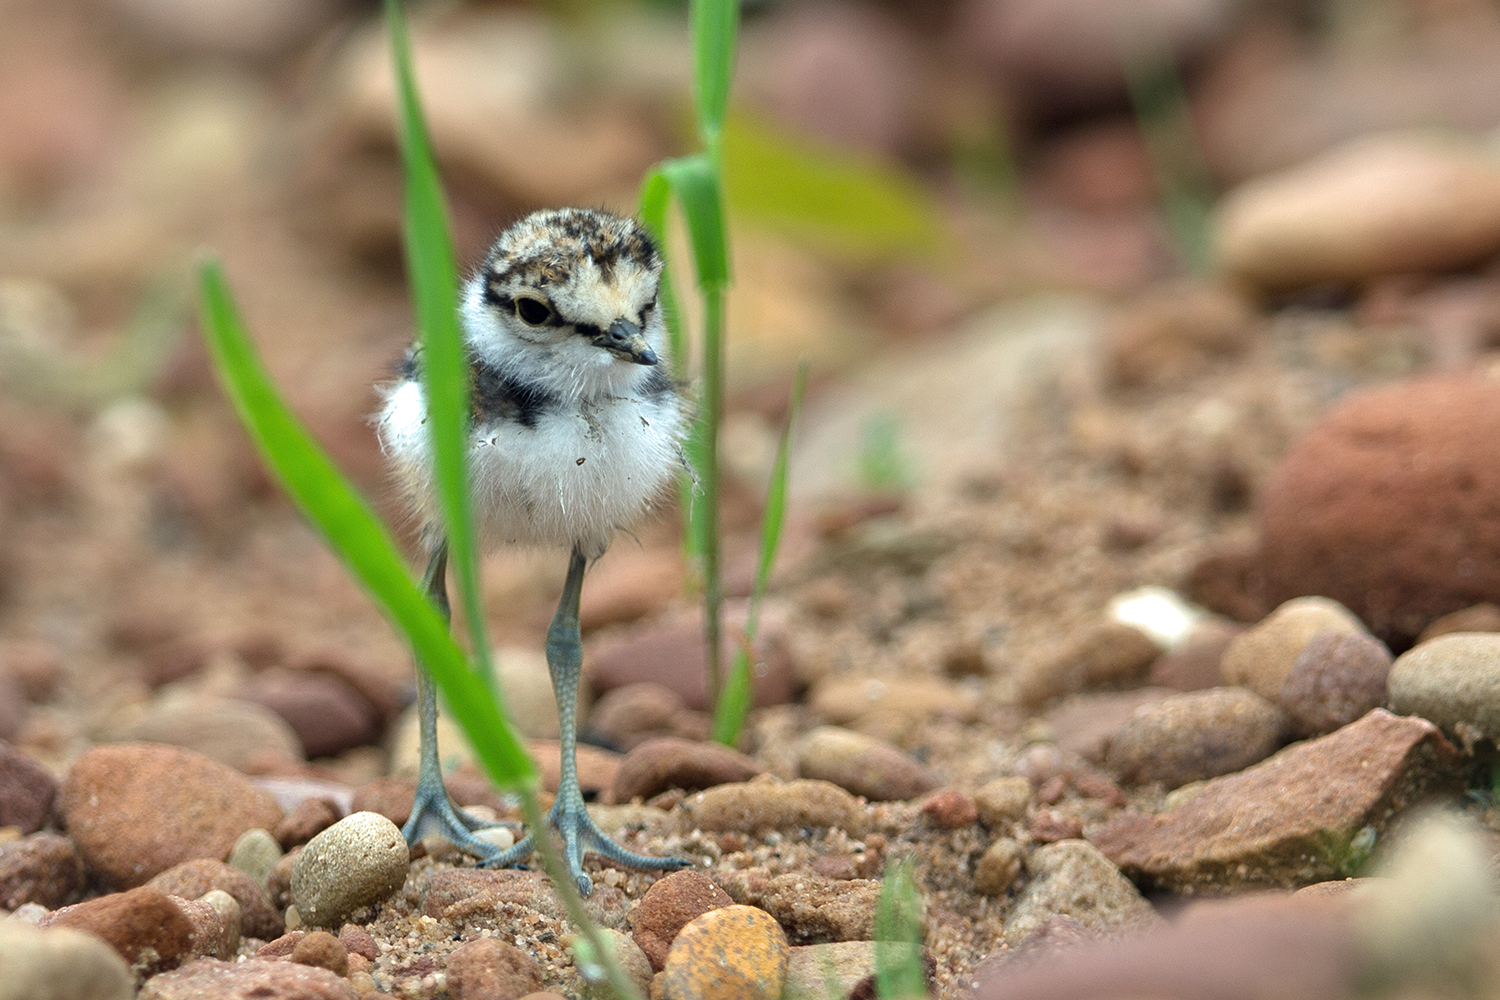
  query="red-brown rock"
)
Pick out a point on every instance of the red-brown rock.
point(192, 879)
point(1289, 820)
point(43, 868)
point(328, 715)
point(143, 925)
point(1388, 505)
point(667, 908)
point(491, 969)
point(27, 791)
point(260, 978)
point(135, 810)
point(659, 764)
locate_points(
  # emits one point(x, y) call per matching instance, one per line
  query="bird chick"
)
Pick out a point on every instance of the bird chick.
point(575, 432)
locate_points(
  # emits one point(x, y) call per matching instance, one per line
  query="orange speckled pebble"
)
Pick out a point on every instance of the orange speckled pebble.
point(732, 953)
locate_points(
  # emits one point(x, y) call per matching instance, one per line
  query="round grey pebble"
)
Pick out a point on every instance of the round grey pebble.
point(255, 854)
point(358, 861)
point(61, 964)
point(1337, 678)
point(1200, 734)
point(1453, 681)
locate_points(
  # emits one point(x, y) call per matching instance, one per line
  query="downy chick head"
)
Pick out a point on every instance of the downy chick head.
point(566, 299)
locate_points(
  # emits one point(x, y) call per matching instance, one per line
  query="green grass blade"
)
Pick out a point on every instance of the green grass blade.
point(898, 936)
point(715, 25)
point(734, 701)
point(842, 203)
point(354, 532)
point(434, 284)
point(655, 198)
point(695, 181)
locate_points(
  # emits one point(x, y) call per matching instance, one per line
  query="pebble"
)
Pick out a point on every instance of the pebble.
point(1047, 826)
point(633, 963)
point(1195, 735)
point(1197, 662)
point(1253, 947)
point(233, 732)
point(1288, 820)
point(143, 925)
point(667, 762)
point(216, 921)
point(358, 861)
point(1483, 617)
point(1391, 204)
point(1453, 681)
point(1336, 679)
point(1108, 653)
point(452, 892)
point(1261, 658)
point(732, 953)
point(597, 767)
point(1002, 801)
point(1072, 879)
point(633, 713)
point(774, 805)
point(844, 698)
point(43, 868)
point(191, 879)
point(1401, 533)
point(255, 853)
point(60, 964)
point(950, 809)
point(491, 969)
point(251, 979)
point(27, 791)
point(327, 714)
point(322, 949)
point(668, 906)
point(135, 811)
point(862, 764)
point(1082, 724)
point(670, 651)
point(814, 967)
point(305, 821)
point(996, 870)
point(815, 909)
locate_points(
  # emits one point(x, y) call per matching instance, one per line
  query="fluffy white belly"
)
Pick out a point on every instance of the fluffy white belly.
point(580, 474)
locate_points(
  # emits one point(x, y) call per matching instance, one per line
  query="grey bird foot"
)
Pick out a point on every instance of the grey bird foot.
point(580, 833)
point(433, 812)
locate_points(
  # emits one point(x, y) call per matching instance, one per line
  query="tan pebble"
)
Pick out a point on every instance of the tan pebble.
point(1261, 658)
point(1003, 800)
point(763, 805)
point(358, 861)
point(732, 953)
point(998, 867)
point(60, 963)
point(862, 764)
point(255, 854)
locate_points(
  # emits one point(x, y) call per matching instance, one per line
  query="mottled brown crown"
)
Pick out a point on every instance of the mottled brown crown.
point(547, 246)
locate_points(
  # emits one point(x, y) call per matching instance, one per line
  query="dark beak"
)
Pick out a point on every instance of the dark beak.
point(624, 339)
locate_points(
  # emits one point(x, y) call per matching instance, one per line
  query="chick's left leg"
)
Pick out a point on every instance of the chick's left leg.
point(569, 816)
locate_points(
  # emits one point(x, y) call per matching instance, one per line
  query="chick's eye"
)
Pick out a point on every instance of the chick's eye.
point(533, 312)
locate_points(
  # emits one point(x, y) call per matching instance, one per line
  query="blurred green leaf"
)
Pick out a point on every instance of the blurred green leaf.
point(899, 974)
point(354, 532)
point(715, 25)
point(433, 274)
point(735, 700)
point(841, 202)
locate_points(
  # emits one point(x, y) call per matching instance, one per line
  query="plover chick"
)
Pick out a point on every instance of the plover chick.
point(575, 432)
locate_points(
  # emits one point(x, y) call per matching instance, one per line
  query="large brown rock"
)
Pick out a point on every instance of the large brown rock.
point(1290, 820)
point(1388, 505)
point(136, 810)
point(144, 925)
point(193, 879)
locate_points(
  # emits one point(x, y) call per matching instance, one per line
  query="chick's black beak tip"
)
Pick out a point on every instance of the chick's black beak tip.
point(627, 340)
